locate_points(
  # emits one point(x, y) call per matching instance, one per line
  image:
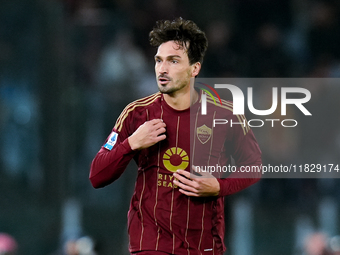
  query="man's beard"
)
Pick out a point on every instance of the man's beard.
point(171, 90)
point(165, 90)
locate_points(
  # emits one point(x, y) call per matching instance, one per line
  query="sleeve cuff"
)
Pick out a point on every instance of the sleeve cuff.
point(223, 187)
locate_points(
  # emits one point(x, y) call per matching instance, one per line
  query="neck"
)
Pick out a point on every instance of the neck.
point(182, 100)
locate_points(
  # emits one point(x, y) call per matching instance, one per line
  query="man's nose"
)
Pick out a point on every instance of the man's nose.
point(163, 68)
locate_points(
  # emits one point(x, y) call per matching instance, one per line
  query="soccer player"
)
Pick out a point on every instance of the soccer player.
point(173, 211)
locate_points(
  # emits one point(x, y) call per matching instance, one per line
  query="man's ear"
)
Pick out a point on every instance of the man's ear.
point(196, 68)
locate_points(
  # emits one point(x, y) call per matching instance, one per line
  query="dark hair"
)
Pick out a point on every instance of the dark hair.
point(183, 32)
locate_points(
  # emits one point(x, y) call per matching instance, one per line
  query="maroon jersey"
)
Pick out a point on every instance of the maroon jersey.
point(161, 218)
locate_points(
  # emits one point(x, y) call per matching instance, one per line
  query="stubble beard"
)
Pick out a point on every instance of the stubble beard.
point(171, 90)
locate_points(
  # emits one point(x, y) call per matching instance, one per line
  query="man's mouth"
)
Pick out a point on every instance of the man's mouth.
point(163, 80)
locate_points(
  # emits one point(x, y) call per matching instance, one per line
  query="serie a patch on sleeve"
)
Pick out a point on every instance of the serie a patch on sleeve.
point(111, 141)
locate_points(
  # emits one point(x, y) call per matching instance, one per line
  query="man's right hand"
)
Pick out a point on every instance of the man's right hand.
point(148, 134)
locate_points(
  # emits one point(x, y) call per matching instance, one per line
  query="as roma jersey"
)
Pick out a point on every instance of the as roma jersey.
point(161, 218)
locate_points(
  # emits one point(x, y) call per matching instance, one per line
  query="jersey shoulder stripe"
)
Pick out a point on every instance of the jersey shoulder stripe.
point(132, 106)
point(225, 104)
point(138, 101)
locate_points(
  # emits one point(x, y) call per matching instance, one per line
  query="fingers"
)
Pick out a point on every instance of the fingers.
point(160, 138)
point(183, 178)
point(148, 134)
point(156, 125)
point(196, 169)
point(185, 173)
point(155, 121)
point(185, 184)
point(192, 185)
point(188, 193)
point(160, 131)
point(196, 174)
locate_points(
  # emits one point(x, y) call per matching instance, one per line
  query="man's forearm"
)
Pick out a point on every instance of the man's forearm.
point(108, 165)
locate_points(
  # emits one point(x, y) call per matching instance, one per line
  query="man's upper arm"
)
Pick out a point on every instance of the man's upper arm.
point(246, 152)
point(115, 154)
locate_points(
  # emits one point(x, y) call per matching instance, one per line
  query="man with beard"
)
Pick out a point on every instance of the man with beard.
point(173, 211)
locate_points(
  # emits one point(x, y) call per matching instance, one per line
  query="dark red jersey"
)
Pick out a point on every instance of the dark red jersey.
point(160, 217)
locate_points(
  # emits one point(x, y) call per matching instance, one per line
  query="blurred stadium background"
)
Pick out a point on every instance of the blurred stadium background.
point(68, 68)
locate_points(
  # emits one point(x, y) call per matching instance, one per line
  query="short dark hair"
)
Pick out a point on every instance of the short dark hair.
point(183, 32)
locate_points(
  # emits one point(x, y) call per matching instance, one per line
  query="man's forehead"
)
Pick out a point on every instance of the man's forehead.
point(172, 48)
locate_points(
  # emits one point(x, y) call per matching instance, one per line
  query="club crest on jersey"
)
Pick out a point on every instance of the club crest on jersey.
point(203, 134)
point(111, 141)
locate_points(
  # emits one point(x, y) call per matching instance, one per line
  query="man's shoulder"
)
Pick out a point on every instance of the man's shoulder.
point(218, 104)
point(136, 109)
point(143, 102)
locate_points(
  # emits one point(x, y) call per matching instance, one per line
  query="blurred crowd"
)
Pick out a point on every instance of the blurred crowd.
point(319, 243)
point(297, 38)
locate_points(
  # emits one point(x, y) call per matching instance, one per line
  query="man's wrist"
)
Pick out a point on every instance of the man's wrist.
point(218, 189)
point(131, 143)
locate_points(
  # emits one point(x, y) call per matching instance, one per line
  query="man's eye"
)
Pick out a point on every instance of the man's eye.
point(174, 61)
point(158, 60)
